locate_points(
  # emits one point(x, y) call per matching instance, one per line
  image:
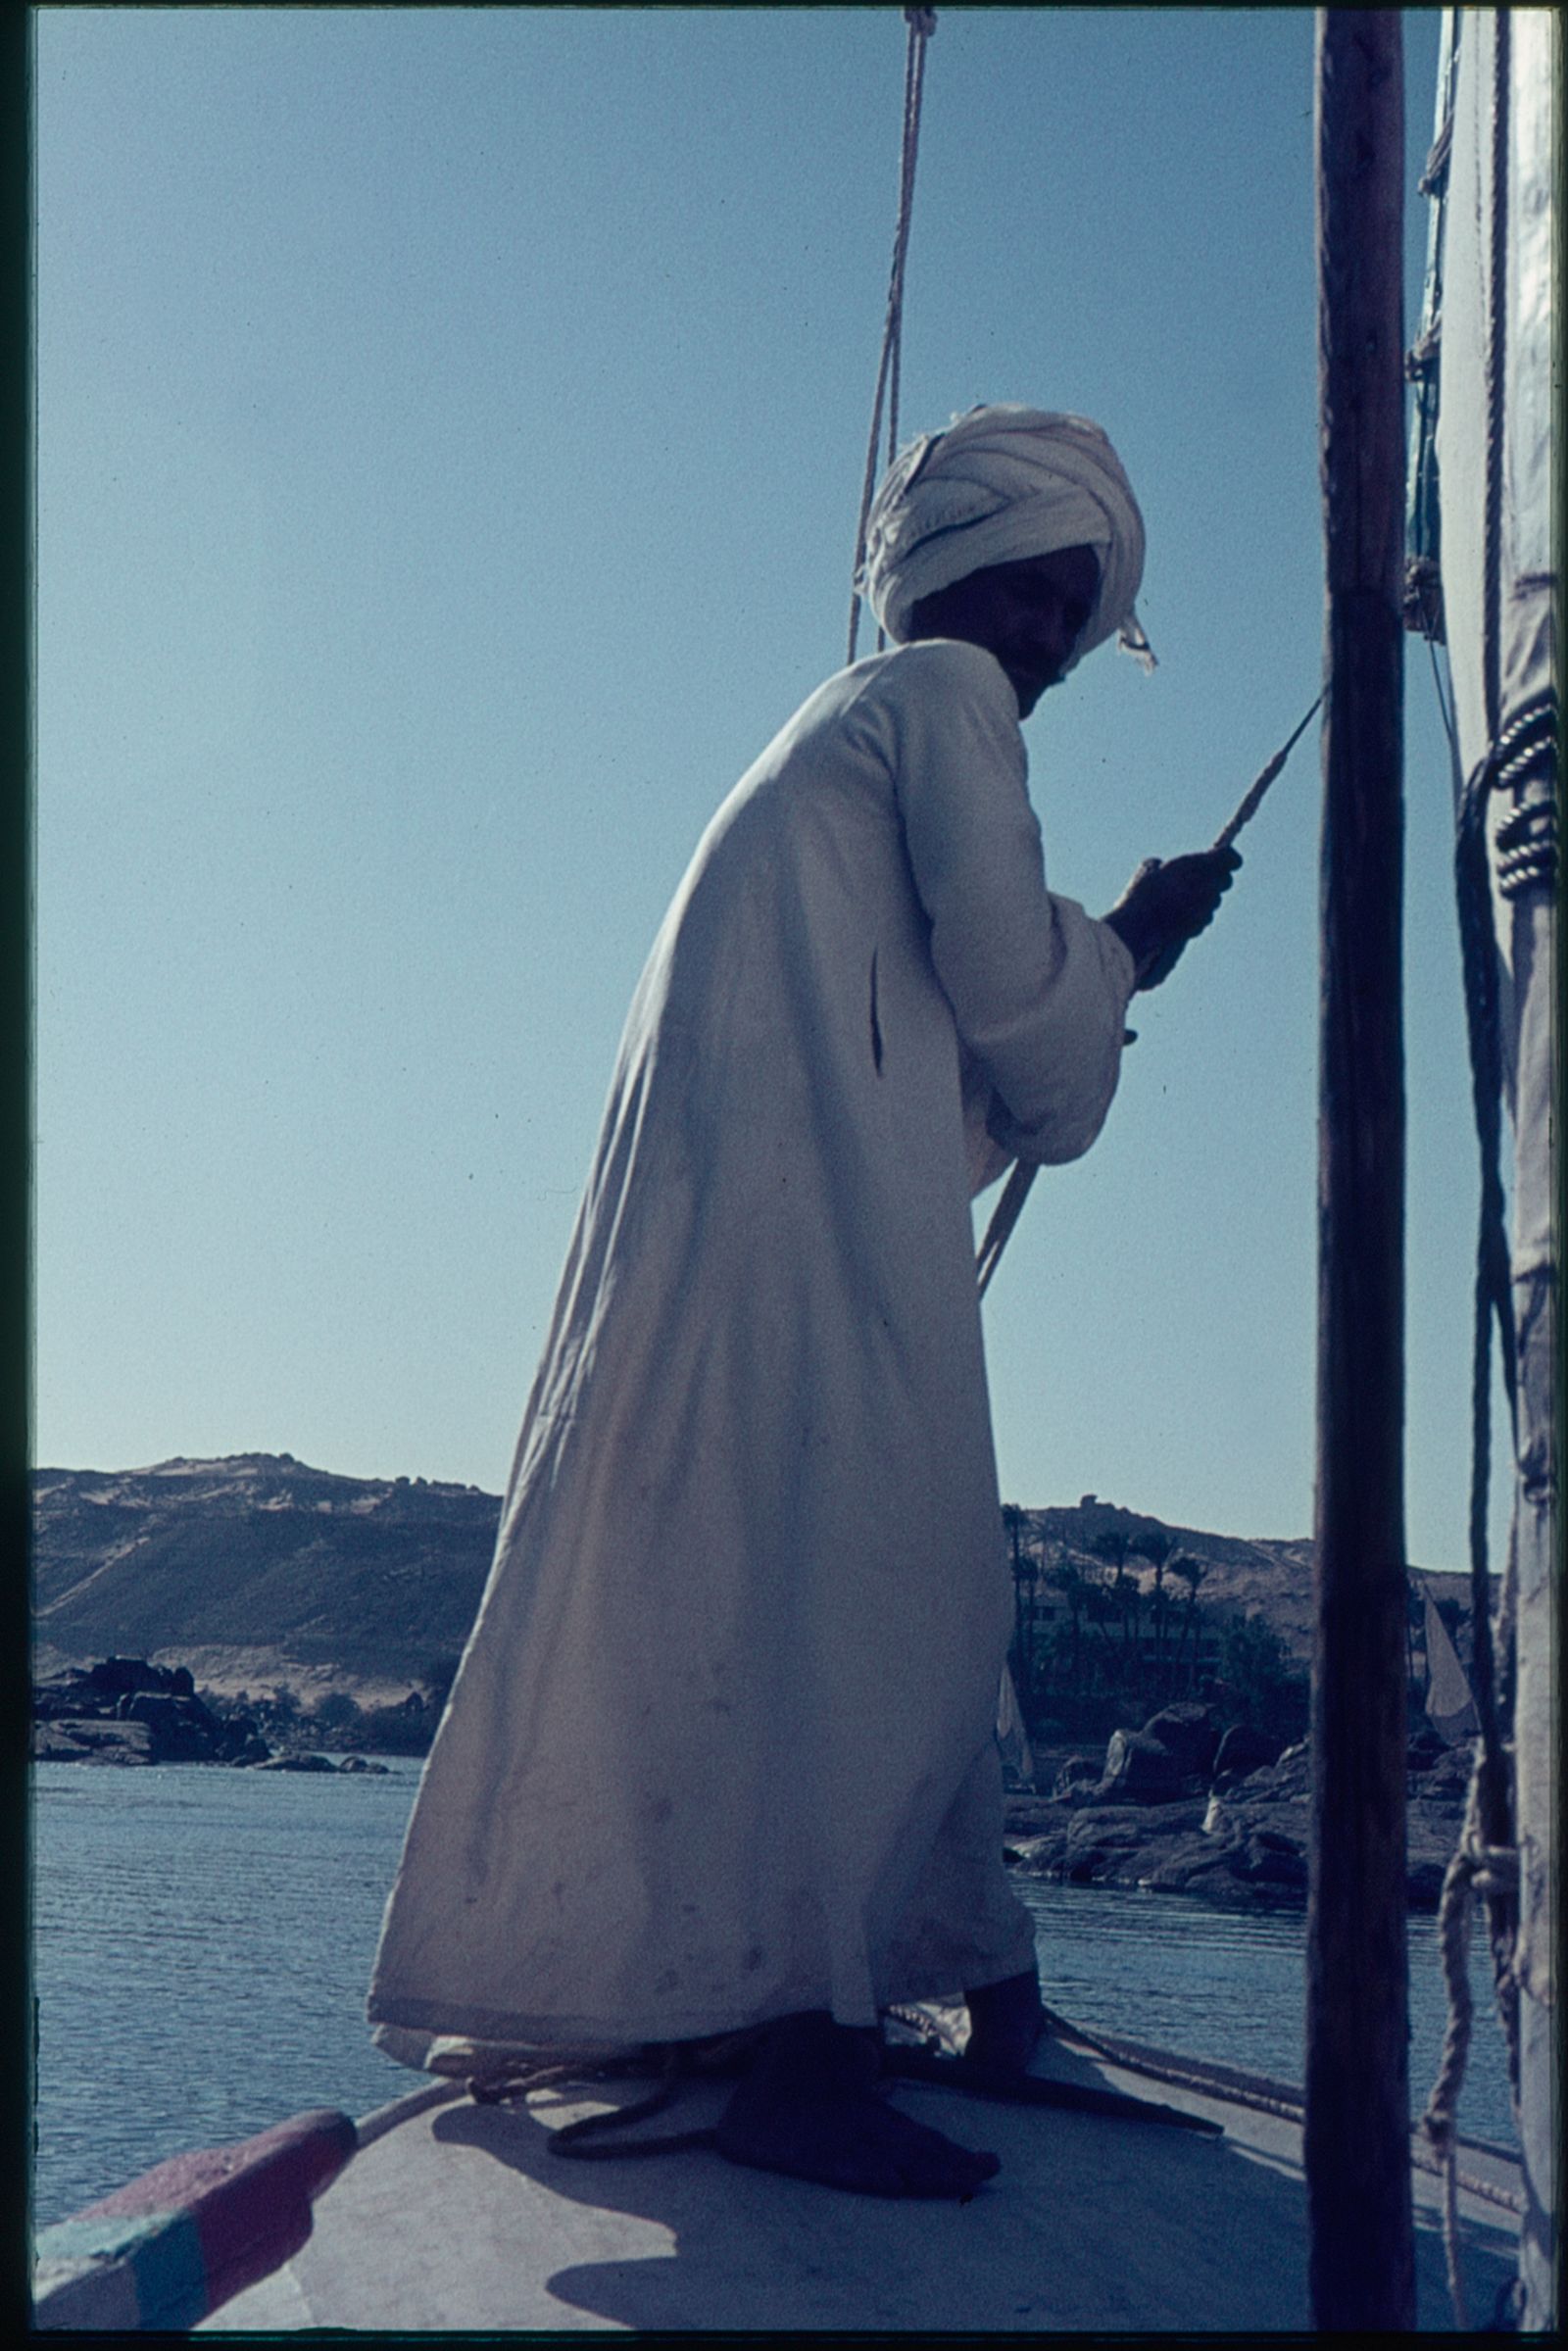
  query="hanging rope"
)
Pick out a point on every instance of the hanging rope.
point(1493, 1300)
point(1479, 954)
point(1476, 1868)
point(1486, 1862)
point(922, 23)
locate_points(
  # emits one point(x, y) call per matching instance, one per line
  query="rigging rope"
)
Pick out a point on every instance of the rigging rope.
point(1487, 1861)
point(922, 23)
point(1493, 1289)
point(1477, 1868)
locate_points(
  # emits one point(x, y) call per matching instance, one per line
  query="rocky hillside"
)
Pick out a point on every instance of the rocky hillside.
point(258, 1570)
point(1240, 1576)
point(1265, 1578)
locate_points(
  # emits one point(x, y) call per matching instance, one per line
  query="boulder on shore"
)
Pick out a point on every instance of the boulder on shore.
point(1170, 1757)
point(1242, 1749)
point(70, 1740)
point(1189, 1734)
point(1238, 1837)
point(125, 1710)
point(1139, 1770)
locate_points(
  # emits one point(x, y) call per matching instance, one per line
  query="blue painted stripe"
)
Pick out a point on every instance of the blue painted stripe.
point(161, 2250)
point(97, 2239)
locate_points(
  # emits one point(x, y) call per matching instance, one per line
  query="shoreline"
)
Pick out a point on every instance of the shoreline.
point(1239, 1842)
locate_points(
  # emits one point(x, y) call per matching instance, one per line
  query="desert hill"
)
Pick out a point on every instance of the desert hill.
point(1242, 1576)
point(258, 1569)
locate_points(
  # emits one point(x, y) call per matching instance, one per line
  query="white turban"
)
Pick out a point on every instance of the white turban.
point(1004, 483)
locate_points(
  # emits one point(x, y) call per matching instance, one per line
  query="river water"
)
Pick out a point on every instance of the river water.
point(203, 1938)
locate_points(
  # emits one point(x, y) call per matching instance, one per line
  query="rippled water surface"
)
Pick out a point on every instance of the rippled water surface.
point(204, 1939)
point(1230, 1986)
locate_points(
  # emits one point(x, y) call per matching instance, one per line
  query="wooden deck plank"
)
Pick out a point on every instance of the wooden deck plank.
point(458, 2218)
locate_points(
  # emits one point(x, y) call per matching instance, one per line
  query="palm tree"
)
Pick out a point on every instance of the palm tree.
point(1066, 1576)
point(1191, 1572)
point(1026, 1569)
point(1100, 1606)
point(1113, 1546)
point(1157, 1549)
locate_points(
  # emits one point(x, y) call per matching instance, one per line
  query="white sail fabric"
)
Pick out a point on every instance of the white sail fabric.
point(1526, 655)
point(1501, 195)
point(721, 1747)
point(1451, 1708)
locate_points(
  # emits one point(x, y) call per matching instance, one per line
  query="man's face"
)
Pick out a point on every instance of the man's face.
point(1030, 614)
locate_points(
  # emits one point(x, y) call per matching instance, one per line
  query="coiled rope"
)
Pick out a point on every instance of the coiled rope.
point(922, 23)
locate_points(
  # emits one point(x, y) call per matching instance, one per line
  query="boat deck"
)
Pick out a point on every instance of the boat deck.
point(456, 2216)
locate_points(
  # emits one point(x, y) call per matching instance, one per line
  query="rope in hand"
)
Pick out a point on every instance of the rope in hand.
point(922, 23)
point(1010, 1206)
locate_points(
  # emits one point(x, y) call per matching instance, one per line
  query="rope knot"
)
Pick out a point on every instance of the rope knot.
point(1492, 1870)
point(1421, 360)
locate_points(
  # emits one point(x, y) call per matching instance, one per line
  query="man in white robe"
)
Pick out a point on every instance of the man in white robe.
point(721, 1751)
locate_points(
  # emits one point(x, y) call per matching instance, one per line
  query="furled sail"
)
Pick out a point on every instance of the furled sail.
point(1481, 578)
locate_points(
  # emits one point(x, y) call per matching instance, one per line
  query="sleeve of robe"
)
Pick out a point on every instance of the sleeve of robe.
point(1039, 989)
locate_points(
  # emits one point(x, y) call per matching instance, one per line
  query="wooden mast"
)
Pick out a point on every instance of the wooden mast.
point(1357, 2140)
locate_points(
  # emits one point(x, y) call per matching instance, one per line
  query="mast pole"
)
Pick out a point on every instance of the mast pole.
point(1357, 2139)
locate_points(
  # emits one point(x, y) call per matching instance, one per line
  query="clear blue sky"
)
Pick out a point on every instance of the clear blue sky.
point(452, 424)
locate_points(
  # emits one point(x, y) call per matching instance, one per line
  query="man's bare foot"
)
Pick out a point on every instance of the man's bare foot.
point(1006, 2022)
point(809, 2107)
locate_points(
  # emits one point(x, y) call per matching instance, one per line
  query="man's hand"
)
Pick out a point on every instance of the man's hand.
point(1166, 904)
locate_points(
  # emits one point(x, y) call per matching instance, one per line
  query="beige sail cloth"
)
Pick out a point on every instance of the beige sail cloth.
point(721, 1743)
point(1002, 484)
point(1450, 1704)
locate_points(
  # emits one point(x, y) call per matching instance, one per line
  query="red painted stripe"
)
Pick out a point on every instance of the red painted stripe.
point(319, 2142)
point(250, 2204)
